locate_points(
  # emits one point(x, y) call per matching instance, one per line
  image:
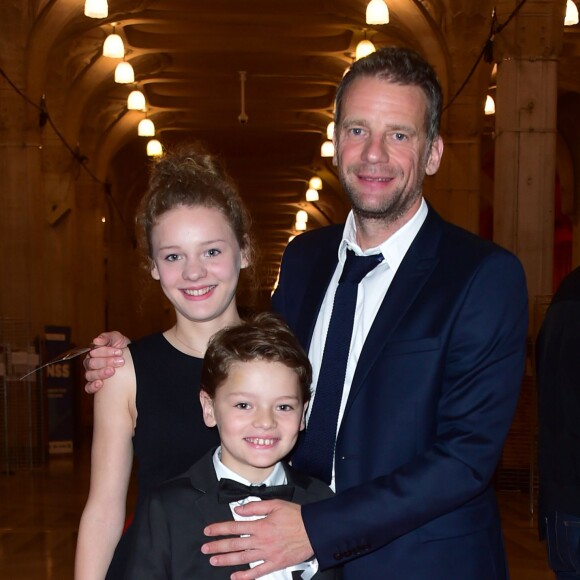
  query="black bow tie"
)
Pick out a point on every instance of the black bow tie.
point(230, 490)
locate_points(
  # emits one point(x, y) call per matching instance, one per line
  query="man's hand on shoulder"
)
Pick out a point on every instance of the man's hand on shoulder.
point(100, 363)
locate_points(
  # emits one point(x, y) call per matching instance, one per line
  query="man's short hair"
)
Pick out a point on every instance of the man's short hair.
point(401, 66)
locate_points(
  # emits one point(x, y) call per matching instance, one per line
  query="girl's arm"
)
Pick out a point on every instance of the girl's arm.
point(103, 518)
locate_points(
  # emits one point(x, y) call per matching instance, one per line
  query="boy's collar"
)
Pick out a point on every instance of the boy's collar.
point(277, 477)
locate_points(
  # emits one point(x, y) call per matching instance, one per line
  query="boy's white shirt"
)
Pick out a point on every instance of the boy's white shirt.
point(277, 477)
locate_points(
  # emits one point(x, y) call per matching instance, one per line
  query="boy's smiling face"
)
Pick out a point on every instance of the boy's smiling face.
point(259, 412)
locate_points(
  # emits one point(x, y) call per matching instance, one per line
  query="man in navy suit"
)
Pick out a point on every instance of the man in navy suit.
point(435, 360)
point(434, 366)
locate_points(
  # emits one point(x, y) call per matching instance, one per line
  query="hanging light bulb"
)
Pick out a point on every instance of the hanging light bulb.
point(330, 130)
point(154, 148)
point(113, 46)
point(489, 105)
point(301, 216)
point(312, 194)
point(377, 12)
point(96, 8)
point(136, 101)
point(315, 182)
point(327, 149)
point(300, 226)
point(146, 128)
point(124, 73)
point(364, 48)
point(571, 14)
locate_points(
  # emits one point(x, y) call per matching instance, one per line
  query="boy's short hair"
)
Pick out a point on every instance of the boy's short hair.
point(264, 337)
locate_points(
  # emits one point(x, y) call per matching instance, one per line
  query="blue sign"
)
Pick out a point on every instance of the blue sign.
point(59, 391)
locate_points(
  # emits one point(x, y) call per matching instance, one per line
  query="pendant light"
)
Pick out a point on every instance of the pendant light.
point(377, 12)
point(136, 101)
point(113, 46)
point(154, 148)
point(146, 128)
point(489, 105)
point(364, 48)
point(96, 8)
point(301, 216)
point(124, 73)
point(312, 194)
point(330, 130)
point(327, 149)
point(571, 14)
point(315, 183)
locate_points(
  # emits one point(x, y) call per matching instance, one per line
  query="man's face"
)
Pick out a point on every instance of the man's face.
point(382, 151)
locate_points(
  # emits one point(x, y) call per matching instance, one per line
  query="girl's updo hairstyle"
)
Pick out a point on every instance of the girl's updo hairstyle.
point(190, 176)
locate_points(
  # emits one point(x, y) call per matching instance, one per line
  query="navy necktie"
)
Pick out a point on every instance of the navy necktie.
point(230, 490)
point(315, 452)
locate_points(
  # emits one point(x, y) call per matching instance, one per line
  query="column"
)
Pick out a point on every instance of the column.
point(526, 51)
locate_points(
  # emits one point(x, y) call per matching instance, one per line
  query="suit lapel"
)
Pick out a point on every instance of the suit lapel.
point(203, 478)
point(301, 484)
point(412, 274)
point(323, 266)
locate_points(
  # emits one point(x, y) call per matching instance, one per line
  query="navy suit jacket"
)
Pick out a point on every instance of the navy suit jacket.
point(168, 527)
point(431, 403)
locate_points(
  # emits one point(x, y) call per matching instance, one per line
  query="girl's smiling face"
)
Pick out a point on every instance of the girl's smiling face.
point(197, 259)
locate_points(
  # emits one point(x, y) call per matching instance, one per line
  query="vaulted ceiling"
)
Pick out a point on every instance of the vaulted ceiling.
point(188, 55)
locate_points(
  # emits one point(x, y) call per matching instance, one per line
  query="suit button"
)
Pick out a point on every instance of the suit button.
point(338, 556)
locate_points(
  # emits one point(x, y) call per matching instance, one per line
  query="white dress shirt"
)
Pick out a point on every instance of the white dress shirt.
point(277, 477)
point(371, 292)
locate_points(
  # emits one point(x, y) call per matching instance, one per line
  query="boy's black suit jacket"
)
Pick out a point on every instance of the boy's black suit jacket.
point(169, 524)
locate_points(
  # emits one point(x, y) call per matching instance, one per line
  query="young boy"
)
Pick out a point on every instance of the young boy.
point(255, 387)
